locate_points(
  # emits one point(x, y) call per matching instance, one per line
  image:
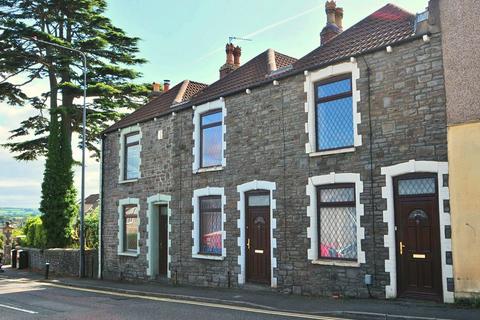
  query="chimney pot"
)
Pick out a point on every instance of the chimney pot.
point(229, 48)
point(330, 7)
point(166, 85)
point(237, 52)
point(339, 18)
point(155, 87)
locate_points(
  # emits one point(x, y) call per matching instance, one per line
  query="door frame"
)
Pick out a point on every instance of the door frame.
point(412, 166)
point(241, 206)
point(152, 229)
point(436, 246)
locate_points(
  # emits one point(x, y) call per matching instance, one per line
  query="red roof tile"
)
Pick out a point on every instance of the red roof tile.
point(385, 26)
point(251, 73)
point(180, 93)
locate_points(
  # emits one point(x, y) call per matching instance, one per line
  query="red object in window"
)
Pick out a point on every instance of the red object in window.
point(212, 242)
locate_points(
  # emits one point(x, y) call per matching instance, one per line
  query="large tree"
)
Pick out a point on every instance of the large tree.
point(82, 25)
point(79, 24)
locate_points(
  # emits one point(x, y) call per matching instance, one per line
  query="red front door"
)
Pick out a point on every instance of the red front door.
point(418, 237)
point(258, 237)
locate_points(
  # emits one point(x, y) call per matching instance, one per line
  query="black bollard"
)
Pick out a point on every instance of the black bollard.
point(47, 269)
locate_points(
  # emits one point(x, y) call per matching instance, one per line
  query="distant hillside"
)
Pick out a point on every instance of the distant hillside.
point(18, 212)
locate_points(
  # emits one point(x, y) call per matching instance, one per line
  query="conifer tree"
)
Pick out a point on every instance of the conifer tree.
point(111, 54)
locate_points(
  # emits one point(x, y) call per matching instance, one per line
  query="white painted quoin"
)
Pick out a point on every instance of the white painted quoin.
point(208, 191)
point(312, 230)
point(153, 233)
point(310, 106)
point(242, 189)
point(121, 230)
point(412, 166)
point(199, 110)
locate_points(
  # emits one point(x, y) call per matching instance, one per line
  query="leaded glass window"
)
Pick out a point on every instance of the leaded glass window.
point(337, 222)
point(211, 138)
point(130, 228)
point(417, 186)
point(211, 225)
point(334, 113)
point(132, 156)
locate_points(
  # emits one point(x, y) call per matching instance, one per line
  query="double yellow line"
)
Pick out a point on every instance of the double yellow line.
point(198, 303)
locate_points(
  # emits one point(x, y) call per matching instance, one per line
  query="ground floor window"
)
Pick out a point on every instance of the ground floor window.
point(130, 228)
point(337, 222)
point(211, 225)
point(208, 220)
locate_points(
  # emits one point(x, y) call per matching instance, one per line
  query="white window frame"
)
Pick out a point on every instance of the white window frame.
point(121, 232)
point(197, 194)
point(199, 110)
point(123, 133)
point(310, 106)
point(312, 213)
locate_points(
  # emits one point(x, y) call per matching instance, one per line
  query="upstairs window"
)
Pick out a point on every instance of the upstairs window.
point(210, 225)
point(334, 113)
point(211, 137)
point(337, 222)
point(132, 156)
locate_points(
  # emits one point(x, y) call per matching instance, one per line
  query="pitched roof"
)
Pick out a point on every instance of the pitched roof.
point(180, 93)
point(388, 25)
point(251, 73)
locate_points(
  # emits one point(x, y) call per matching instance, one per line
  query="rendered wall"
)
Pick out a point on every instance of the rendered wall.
point(464, 160)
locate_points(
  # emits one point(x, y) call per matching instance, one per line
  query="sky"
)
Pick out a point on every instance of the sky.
point(185, 39)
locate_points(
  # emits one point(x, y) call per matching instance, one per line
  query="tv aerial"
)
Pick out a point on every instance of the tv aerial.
point(230, 39)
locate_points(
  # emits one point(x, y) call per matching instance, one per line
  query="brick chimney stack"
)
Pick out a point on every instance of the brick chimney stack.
point(232, 59)
point(166, 85)
point(334, 22)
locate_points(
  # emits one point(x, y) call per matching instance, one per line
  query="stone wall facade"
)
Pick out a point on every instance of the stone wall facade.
point(63, 262)
point(403, 119)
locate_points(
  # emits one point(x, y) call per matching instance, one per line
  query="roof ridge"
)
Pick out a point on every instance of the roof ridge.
point(181, 91)
point(271, 61)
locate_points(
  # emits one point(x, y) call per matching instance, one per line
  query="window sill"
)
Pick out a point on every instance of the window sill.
point(337, 263)
point(128, 254)
point(209, 169)
point(208, 257)
point(327, 152)
point(127, 181)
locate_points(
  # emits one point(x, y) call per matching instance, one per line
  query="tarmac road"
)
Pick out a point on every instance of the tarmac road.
point(27, 299)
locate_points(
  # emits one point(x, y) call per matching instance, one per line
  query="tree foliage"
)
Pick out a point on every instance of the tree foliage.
point(58, 205)
point(79, 24)
point(34, 232)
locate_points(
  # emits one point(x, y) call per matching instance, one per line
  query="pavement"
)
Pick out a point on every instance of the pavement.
point(72, 298)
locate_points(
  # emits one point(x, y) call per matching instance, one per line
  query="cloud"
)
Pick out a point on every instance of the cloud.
point(262, 30)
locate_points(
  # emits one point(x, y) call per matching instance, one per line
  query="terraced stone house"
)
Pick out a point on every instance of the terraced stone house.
point(324, 175)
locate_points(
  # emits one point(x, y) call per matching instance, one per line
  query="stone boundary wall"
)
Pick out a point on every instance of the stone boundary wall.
point(64, 262)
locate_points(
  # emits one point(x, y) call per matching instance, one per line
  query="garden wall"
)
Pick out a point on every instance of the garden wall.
point(63, 262)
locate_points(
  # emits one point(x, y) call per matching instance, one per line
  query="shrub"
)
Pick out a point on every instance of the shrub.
point(91, 229)
point(34, 232)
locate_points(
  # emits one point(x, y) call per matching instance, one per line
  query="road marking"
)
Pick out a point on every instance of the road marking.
point(202, 304)
point(18, 309)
